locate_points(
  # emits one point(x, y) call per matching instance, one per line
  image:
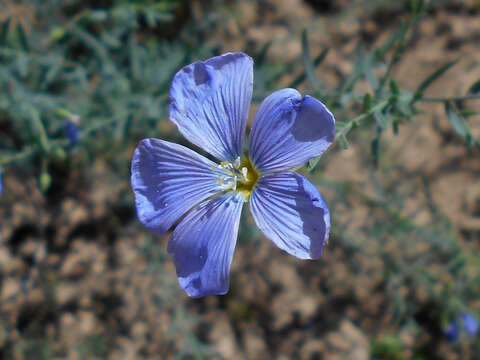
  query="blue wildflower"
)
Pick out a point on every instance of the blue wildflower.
point(1, 183)
point(470, 324)
point(452, 331)
point(71, 128)
point(209, 103)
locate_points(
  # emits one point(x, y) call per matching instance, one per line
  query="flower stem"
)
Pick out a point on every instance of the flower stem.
point(453, 98)
point(26, 152)
point(360, 118)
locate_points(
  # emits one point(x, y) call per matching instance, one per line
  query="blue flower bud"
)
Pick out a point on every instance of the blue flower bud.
point(452, 331)
point(72, 132)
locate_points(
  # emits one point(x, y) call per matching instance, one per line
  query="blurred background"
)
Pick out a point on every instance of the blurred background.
point(82, 81)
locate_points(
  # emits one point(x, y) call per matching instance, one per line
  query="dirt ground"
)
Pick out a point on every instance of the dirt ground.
point(81, 278)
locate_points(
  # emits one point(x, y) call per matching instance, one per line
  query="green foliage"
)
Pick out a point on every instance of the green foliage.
point(432, 77)
point(78, 67)
point(308, 63)
point(388, 107)
point(387, 347)
point(94, 346)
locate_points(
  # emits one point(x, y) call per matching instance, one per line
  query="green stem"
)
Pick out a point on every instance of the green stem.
point(96, 126)
point(380, 106)
point(453, 98)
point(30, 150)
point(26, 152)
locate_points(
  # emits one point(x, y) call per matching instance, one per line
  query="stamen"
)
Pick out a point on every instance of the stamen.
point(236, 164)
point(234, 186)
point(236, 176)
point(244, 173)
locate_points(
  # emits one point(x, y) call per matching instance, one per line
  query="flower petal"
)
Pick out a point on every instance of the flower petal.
point(203, 243)
point(452, 331)
point(289, 130)
point(290, 211)
point(169, 179)
point(470, 323)
point(210, 100)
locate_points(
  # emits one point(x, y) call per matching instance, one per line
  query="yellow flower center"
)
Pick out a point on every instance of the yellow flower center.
point(247, 184)
point(240, 176)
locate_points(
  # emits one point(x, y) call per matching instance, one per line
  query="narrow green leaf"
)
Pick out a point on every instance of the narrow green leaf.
point(382, 120)
point(307, 61)
point(475, 88)
point(367, 102)
point(342, 139)
point(366, 68)
point(374, 148)
point(404, 103)
point(394, 87)
point(38, 130)
point(97, 15)
point(52, 73)
point(435, 75)
point(458, 124)
point(317, 61)
point(467, 113)
point(339, 125)
point(135, 66)
point(353, 126)
point(22, 37)
point(388, 44)
point(312, 163)
point(5, 27)
point(348, 84)
point(260, 57)
point(414, 6)
point(95, 45)
point(395, 126)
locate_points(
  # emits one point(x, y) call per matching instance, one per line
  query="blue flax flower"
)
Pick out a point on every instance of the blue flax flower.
point(209, 103)
point(71, 128)
point(452, 331)
point(470, 325)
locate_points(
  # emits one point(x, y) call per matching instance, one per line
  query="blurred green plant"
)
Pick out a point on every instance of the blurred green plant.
point(386, 104)
point(101, 65)
point(82, 66)
point(387, 347)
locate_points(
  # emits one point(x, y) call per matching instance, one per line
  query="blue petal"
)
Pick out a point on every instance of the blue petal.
point(210, 100)
point(72, 132)
point(168, 180)
point(203, 243)
point(452, 331)
point(289, 210)
point(470, 323)
point(289, 130)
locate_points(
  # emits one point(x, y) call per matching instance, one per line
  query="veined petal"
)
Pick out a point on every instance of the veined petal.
point(168, 180)
point(290, 211)
point(210, 100)
point(289, 130)
point(203, 243)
